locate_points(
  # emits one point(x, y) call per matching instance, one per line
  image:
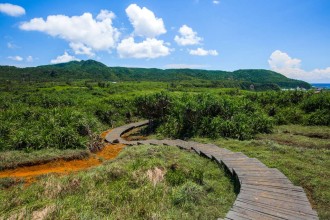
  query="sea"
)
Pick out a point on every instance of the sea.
point(321, 85)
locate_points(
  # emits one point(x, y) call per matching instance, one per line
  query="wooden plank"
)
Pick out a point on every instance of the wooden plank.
point(283, 199)
point(266, 210)
point(274, 185)
point(278, 212)
point(273, 194)
point(294, 191)
point(289, 203)
point(264, 182)
point(169, 142)
point(244, 179)
point(257, 173)
point(252, 214)
point(232, 215)
point(155, 142)
point(206, 154)
point(268, 184)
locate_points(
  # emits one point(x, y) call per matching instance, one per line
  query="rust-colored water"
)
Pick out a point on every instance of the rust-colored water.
point(110, 151)
point(104, 134)
point(59, 166)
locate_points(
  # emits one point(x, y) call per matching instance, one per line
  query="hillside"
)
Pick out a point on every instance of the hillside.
point(93, 70)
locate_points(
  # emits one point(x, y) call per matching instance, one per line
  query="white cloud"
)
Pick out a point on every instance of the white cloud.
point(202, 52)
point(105, 14)
point(29, 59)
point(80, 48)
point(63, 59)
point(149, 49)
point(216, 2)
point(187, 36)
point(184, 66)
point(144, 21)
point(12, 10)
point(280, 60)
point(15, 58)
point(83, 32)
point(282, 63)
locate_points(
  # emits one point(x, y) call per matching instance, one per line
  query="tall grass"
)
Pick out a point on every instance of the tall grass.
point(192, 187)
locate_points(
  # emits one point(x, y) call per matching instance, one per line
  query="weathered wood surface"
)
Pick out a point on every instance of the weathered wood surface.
point(265, 193)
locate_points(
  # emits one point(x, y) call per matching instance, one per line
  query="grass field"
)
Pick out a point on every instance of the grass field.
point(144, 182)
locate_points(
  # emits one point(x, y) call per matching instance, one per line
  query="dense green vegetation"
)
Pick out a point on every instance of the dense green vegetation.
point(67, 116)
point(58, 116)
point(186, 186)
point(46, 116)
point(234, 116)
point(93, 70)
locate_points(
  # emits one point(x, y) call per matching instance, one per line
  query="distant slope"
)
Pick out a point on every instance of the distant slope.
point(93, 70)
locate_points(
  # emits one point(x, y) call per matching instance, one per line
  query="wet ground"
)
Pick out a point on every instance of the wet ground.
point(29, 173)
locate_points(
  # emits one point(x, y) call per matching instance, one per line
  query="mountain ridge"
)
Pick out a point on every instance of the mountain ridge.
point(94, 70)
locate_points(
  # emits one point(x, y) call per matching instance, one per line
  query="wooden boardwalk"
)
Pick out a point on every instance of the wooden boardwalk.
point(265, 193)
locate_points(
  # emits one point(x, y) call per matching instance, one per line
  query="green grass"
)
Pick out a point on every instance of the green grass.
point(193, 188)
point(305, 166)
point(294, 139)
point(322, 132)
point(317, 137)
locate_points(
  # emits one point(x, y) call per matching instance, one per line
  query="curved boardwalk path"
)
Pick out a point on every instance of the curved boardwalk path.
point(265, 193)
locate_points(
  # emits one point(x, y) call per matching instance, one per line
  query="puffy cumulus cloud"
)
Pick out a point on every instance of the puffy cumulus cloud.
point(105, 14)
point(202, 52)
point(15, 58)
point(12, 10)
point(83, 32)
point(149, 49)
point(148, 26)
point(144, 21)
point(187, 36)
point(282, 63)
point(280, 60)
point(64, 58)
point(80, 48)
point(216, 2)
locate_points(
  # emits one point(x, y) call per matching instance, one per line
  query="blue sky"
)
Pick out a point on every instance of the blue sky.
point(287, 36)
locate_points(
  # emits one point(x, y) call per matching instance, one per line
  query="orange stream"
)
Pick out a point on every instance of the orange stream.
point(110, 151)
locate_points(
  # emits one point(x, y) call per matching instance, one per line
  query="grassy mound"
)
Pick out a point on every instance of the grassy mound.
point(144, 182)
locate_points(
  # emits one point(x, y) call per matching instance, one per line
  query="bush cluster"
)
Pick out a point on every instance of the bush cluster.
point(33, 119)
point(233, 115)
point(206, 115)
point(295, 107)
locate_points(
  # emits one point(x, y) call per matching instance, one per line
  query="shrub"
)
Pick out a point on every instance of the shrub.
point(209, 115)
point(105, 116)
point(319, 117)
point(316, 102)
point(154, 106)
point(187, 193)
point(291, 115)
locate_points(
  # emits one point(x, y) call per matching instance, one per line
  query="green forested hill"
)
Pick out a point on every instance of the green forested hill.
point(93, 70)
